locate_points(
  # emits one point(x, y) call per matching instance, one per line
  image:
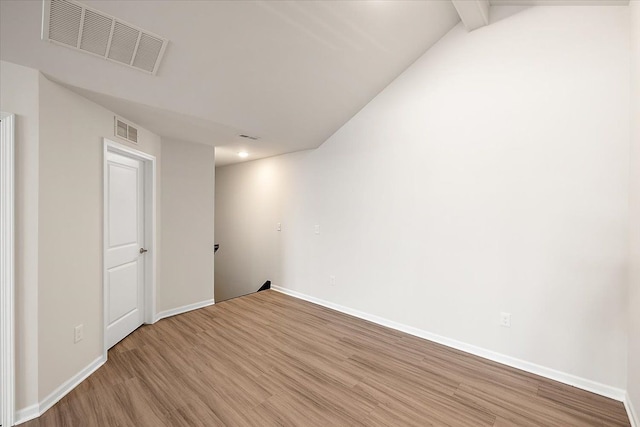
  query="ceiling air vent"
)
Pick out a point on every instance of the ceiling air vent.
point(75, 25)
point(125, 131)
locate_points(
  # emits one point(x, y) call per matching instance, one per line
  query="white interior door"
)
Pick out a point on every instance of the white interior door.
point(124, 257)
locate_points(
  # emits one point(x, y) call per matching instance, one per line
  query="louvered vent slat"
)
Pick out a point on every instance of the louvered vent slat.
point(77, 26)
point(123, 43)
point(64, 22)
point(125, 131)
point(121, 129)
point(95, 33)
point(132, 134)
point(148, 50)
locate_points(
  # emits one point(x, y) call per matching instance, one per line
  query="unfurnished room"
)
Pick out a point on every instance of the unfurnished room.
point(319, 213)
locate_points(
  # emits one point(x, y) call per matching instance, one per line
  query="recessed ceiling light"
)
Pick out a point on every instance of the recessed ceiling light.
point(243, 154)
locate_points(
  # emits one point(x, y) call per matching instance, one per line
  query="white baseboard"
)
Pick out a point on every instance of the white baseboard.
point(633, 415)
point(183, 309)
point(27, 414)
point(563, 377)
point(36, 410)
point(54, 397)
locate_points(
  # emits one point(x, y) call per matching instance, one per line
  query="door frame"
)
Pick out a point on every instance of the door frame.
point(7, 267)
point(149, 231)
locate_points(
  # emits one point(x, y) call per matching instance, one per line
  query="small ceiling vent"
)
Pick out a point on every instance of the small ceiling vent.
point(75, 25)
point(125, 130)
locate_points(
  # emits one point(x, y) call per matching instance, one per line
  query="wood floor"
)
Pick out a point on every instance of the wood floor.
point(271, 360)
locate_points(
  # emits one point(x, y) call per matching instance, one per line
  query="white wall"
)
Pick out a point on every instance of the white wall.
point(188, 185)
point(59, 226)
point(70, 230)
point(19, 92)
point(252, 200)
point(491, 176)
point(633, 380)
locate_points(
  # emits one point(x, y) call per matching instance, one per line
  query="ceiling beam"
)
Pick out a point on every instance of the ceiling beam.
point(473, 13)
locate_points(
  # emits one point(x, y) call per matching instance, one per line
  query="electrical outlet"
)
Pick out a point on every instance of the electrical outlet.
point(279, 227)
point(78, 333)
point(332, 280)
point(317, 228)
point(505, 320)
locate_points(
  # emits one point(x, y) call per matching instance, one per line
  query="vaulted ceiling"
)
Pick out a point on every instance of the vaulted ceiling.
point(288, 72)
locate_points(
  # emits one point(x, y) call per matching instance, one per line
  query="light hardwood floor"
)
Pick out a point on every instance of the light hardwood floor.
point(268, 359)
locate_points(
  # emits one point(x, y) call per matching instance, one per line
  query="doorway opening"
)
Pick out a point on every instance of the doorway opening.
point(247, 226)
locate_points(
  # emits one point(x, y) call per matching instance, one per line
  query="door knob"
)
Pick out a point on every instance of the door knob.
point(143, 250)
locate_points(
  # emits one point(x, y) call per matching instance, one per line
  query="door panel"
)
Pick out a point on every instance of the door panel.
point(124, 278)
point(124, 298)
point(122, 205)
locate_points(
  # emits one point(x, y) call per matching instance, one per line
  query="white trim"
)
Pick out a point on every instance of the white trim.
point(563, 377)
point(530, 3)
point(150, 230)
point(633, 415)
point(64, 389)
point(36, 410)
point(184, 309)
point(27, 414)
point(54, 397)
point(7, 267)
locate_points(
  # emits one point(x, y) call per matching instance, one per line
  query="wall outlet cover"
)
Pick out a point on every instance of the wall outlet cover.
point(78, 333)
point(505, 320)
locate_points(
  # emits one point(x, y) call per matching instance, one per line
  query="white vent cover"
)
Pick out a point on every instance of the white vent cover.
point(125, 130)
point(74, 25)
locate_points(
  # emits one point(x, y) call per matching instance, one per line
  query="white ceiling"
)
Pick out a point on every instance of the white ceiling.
point(290, 72)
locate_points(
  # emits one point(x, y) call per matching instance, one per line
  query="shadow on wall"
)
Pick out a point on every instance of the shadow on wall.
point(227, 289)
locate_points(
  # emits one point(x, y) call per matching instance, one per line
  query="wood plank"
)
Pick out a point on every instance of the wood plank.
point(268, 359)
